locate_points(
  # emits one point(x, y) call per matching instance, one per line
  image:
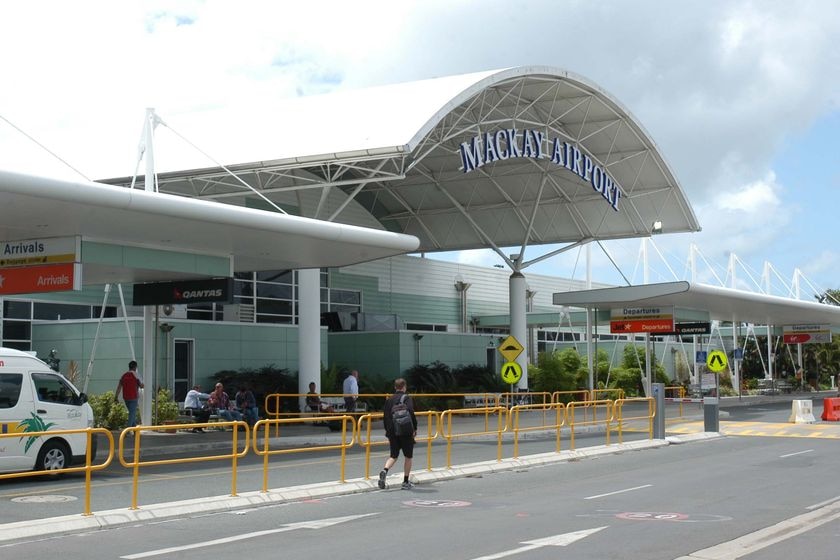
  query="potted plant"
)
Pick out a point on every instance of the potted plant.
point(166, 409)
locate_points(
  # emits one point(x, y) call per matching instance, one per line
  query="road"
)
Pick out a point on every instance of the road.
point(663, 504)
point(668, 503)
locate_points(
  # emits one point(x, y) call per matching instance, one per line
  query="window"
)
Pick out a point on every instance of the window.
point(10, 384)
point(52, 388)
point(426, 327)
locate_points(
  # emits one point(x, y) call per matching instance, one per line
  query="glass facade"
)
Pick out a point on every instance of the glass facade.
point(271, 295)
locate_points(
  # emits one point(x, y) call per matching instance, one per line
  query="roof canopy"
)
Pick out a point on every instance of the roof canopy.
point(36, 207)
point(722, 304)
point(510, 158)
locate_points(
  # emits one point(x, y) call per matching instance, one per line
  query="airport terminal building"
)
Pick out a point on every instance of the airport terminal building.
point(321, 225)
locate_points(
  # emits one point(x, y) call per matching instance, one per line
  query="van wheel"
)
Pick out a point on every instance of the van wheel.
point(54, 455)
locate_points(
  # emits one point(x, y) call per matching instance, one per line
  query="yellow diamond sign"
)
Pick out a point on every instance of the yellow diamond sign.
point(510, 348)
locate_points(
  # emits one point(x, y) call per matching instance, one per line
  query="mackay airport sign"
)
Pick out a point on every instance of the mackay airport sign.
point(651, 319)
point(806, 334)
point(510, 143)
point(184, 292)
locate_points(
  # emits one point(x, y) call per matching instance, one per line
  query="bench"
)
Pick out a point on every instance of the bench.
point(337, 403)
point(480, 401)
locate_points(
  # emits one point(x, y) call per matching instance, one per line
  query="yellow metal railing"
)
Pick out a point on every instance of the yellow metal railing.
point(265, 450)
point(571, 416)
point(559, 410)
point(620, 418)
point(365, 434)
point(87, 468)
point(136, 463)
point(446, 423)
point(549, 415)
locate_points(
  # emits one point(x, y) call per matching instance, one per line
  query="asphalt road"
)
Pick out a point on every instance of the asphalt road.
point(705, 494)
point(661, 504)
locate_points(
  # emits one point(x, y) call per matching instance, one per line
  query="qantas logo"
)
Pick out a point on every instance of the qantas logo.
point(185, 295)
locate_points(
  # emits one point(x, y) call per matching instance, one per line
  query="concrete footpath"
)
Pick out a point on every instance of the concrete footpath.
point(163, 444)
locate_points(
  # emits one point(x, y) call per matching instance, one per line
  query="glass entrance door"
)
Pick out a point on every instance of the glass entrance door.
point(183, 365)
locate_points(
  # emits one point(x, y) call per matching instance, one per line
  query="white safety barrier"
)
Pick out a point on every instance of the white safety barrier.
point(802, 412)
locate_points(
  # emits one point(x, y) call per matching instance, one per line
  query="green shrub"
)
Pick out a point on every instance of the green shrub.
point(108, 413)
point(165, 408)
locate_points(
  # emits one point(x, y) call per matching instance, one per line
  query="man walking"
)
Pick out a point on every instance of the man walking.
point(130, 386)
point(399, 441)
point(350, 388)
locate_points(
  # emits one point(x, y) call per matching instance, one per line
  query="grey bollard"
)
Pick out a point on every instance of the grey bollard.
point(658, 390)
point(711, 412)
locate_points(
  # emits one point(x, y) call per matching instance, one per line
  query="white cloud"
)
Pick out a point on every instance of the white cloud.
point(720, 85)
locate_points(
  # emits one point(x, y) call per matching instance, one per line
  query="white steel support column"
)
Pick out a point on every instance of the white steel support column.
point(309, 331)
point(145, 405)
point(518, 323)
point(589, 353)
point(149, 357)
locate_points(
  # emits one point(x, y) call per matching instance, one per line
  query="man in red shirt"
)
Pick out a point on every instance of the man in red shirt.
point(130, 386)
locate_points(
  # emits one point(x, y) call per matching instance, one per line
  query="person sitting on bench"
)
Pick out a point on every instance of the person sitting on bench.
point(314, 402)
point(193, 403)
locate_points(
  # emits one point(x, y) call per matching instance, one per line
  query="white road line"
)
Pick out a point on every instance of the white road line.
point(797, 453)
point(753, 542)
point(618, 492)
point(823, 503)
point(316, 524)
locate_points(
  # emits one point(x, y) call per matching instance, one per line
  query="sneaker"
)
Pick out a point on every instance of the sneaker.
point(382, 475)
point(407, 485)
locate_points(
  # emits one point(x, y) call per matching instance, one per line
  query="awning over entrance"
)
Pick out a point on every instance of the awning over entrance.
point(35, 207)
point(722, 304)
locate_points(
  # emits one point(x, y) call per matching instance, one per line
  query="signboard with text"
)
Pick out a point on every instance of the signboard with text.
point(654, 320)
point(806, 334)
point(687, 329)
point(50, 250)
point(38, 279)
point(186, 291)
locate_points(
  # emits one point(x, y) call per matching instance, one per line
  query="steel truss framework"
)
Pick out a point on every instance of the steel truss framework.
point(420, 187)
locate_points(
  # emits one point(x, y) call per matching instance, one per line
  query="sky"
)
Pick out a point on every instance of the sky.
point(742, 98)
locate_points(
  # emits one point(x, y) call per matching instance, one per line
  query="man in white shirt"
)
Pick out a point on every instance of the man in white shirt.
point(351, 391)
point(193, 403)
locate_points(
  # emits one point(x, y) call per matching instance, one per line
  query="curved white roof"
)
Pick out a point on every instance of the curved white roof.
point(391, 157)
point(36, 207)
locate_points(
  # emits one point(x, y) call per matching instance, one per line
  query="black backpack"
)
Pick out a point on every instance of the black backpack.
point(401, 418)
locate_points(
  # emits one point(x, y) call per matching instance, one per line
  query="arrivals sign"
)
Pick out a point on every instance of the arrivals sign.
point(183, 292)
point(509, 143)
point(51, 250)
point(38, 279)
point(656, 320)
point(806, 334)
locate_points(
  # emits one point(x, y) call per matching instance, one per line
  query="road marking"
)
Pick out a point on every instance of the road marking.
point(618, 492)
point(316, 524)
point(758, 540)
point(823, 503)
point(797, 453)
point(557, 540)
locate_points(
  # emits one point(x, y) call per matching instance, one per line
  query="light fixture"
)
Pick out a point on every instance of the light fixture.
point(657, 227)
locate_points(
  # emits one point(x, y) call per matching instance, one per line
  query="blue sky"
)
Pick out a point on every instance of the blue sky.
point(742, 97)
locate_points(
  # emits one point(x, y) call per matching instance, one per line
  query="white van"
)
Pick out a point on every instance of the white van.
point(34, 398)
